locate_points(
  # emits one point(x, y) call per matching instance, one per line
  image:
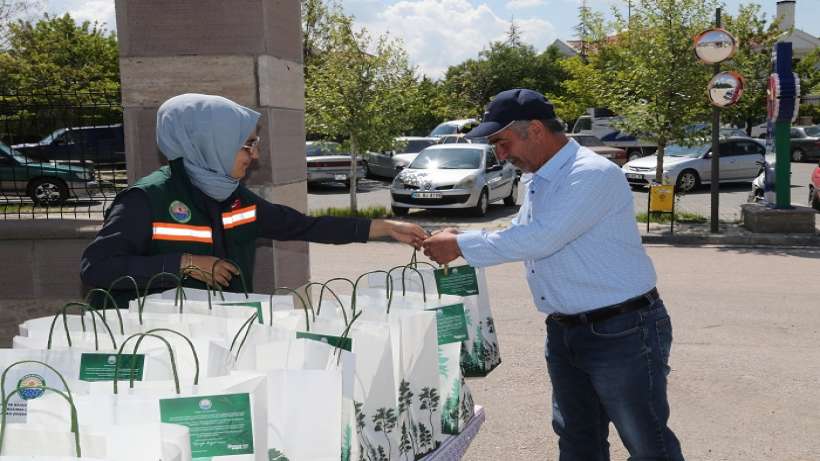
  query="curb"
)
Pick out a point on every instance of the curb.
point(773, 240)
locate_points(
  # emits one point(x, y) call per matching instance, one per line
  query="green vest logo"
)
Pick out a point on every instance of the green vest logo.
point(180, 212)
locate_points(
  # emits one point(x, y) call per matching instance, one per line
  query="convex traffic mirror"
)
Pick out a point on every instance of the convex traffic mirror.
point(725, 89)
point(715, 45)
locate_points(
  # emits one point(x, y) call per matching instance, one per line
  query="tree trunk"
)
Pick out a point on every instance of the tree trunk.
point(659, 167)
point(353, 174)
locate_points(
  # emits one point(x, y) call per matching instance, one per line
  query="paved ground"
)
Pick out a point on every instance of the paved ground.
point(745, 383)
point(375, 192)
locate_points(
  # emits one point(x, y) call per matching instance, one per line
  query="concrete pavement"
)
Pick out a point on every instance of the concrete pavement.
point(745, 383)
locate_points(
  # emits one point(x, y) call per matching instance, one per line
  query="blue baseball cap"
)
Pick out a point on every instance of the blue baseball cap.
point(511, 106)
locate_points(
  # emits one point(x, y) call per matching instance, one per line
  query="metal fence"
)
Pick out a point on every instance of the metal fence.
point(62, 156)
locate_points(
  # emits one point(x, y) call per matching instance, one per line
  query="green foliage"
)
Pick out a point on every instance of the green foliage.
point(753, 62)
point(58, 55)
point(373, 212)
point(680, 216)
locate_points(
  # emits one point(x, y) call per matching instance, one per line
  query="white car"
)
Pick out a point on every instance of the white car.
point(454, 176)
point(326, 163)
point(689, 167)
point(453, 127)
point(388, 163)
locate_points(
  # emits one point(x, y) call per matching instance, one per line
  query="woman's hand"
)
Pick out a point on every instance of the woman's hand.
point(208, 269)
point(409, 233)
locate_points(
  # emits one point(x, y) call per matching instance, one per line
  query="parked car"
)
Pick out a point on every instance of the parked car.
point(805, 142)
point(460, 138)
point(814, 188)
point(97, 144)
point(327, 163)
point(601, 123)
point(690, 166)
point(45, 183)
point(453, 127)
point(387, 163)
point(615, 154)
point(454, 176)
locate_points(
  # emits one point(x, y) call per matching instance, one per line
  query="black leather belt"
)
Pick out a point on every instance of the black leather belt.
point(630, 305)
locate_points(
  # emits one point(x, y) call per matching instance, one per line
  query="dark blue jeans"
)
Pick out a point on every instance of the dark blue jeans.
point(613, 370)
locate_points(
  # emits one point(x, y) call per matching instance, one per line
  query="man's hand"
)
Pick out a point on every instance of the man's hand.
point(208, 269)
point(442, 247)
point(409, 233)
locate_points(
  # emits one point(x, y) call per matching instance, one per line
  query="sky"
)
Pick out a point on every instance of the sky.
point(440, 33)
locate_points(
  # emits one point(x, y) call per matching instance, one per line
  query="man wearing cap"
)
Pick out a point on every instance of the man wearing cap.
point(608, 332)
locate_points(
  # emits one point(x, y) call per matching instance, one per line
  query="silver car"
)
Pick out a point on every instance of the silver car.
point(690, 166)
point(387, 163)
point(454, 176)
point(326, 163)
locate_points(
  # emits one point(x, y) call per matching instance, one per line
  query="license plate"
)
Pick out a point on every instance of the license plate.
point(426, 194)
point(340, 177)
point(634, 176)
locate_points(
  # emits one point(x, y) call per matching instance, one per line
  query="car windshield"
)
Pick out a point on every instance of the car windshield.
point(412, 146)
point(813, 131)
point(9, 152)
point(320, 149)
point(443, 129)
point(51, 137)
point(677, 150)
point(448, 159)
point(588, 141)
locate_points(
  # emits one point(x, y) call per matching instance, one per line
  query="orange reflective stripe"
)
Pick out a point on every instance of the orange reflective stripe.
point(182, 232)
point(238, 217)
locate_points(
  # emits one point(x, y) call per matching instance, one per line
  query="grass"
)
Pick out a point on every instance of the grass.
point(13, 208)
point(372, 212)
point(665, 218)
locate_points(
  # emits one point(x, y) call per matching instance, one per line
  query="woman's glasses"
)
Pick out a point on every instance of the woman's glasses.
point(253, 144)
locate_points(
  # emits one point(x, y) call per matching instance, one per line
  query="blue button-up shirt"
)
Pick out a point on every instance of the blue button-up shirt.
point(575, 232)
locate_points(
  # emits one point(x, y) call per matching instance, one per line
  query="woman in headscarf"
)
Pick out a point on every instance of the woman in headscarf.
point(191, 214)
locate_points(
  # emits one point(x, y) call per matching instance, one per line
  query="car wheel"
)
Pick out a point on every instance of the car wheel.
point(814, 201)
point(688, 180)
point(798, 155)
point(48, 191)
point(400, 211)
point(512, 199)
point(483, 202)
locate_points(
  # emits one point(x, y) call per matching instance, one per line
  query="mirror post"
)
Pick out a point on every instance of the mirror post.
point(715, 185)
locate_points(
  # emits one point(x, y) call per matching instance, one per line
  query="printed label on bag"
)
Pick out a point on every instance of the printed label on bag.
point(255, 304)
point(335, 341)
point(100, 367)
point(220, 425)
point(451, 324)
point(459, 281)
point(28, 378)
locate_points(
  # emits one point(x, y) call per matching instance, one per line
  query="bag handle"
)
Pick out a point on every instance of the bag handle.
point(84, 308)
point(247, 328)
point(325, 286)
point(190, 344)
point(74, 425)
point(301, 299)
point(403, 286)
point(241, 274)
point(107, 297)
point(388, 281)
point(208, 290)
point(345, 334)
point(6, 398)
point(134, 360)
point(150, 282)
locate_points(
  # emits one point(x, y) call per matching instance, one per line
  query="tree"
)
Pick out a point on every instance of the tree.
point(360, 90)
point(57, 55)
point(12, 10)
point(647, 72)
point(753, 62)
point(809, 71)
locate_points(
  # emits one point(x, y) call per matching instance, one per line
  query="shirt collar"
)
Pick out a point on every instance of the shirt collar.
point(556, 163)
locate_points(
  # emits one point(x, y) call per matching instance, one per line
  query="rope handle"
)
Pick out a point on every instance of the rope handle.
point(325, 286)
point(134, 360)
point(301, 299)
point(388, 281)
point(83, 308)
point(208, 289)
point(74, 425)
point(403, 286)
point(107, 297)
point(246, 327)
point(190, 344)
point(241, 274)
point(148, 288)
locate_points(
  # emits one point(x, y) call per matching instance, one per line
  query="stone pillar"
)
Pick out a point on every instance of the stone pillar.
point(249, 51)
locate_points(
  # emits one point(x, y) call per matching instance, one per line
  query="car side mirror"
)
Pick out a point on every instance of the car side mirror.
point(495, 167)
